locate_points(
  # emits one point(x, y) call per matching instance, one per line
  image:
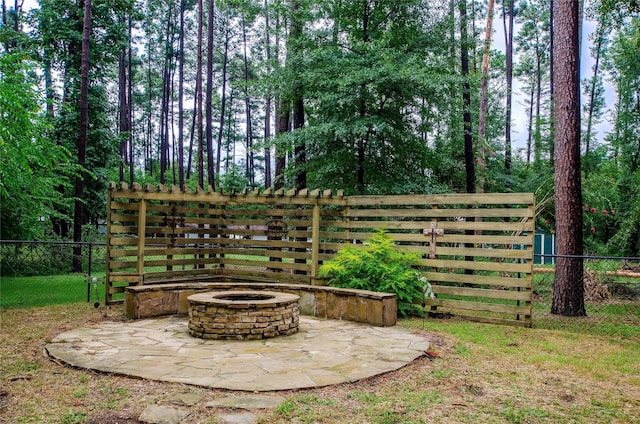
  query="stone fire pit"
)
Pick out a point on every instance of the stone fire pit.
point(243, 315)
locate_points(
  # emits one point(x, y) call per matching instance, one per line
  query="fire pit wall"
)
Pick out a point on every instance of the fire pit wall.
point(378, 309)
point(243, 315)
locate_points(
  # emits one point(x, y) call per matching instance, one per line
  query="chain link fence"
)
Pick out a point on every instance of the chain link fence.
point(611, 295)
point(39, 273)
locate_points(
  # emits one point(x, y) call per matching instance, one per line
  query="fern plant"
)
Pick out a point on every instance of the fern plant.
point(378, 265)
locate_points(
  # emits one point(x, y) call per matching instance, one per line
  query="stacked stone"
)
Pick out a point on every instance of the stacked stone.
point(270, 318)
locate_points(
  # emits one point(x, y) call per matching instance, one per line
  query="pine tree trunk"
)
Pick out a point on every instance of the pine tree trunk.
point(223, 100)
point(552, 124)
point(180, 147)
point(122, 114)
point(466, 115)
point(148, 151)
point(508, 41)
point(282, 113)
point(250, 172)
point(484, 98)
point(466, 100)
point(192, 131)
point(200, 134)
point(538, 131)
point(130, 103)
point(48, 84)
point(530, 125)
point(268, 99)
point(298, 99)
point(166, 96)
point(568, 290)
point(78, 212)
point(209, 96)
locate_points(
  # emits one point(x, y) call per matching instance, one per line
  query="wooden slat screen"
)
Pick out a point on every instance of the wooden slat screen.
point(476, 249)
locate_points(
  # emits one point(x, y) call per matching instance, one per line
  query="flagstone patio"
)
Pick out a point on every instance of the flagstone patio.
point(322, 353)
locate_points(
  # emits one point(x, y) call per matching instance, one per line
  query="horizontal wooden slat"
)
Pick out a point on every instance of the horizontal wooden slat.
point(478, 279)
point(269, 213)
point(118, 217)
point(444, 225)
point(119, 265)
point(177, 273)
point(115, 290)
point(446, 238)
point(507, 254)
point(486, 253)
point(127, 278)
point(183, 241)
point(189, 208)
point(133, 206)
point(116, 253)
point(180, 262)
point(414, 213)
point(524, 239)
point(443, 199)
point(279, 276)
point(182, 251)
point(124, 229)
point(264, 265)
point(486, 293)
point(485, 307)
point(229, 200)
point(226, 242)
point(128, 241)
point(477, 265)
point(290, 254)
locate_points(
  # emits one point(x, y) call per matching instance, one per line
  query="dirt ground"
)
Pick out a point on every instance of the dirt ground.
point(471, 377)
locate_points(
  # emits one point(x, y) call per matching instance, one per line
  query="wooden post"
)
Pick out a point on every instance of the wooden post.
point(529, 261)
point(221, 227)
point(107, 278)
point(142, 231)
point(315, 241)
point(347, 221)
point(433, 308)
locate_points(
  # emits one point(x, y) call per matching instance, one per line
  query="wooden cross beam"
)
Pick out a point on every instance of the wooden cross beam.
point(432, 232)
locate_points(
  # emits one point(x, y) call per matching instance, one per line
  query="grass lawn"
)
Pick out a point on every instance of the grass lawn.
point(485, 373)
point(20, 292)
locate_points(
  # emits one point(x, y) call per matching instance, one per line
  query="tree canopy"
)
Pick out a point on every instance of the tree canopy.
point(369, 96)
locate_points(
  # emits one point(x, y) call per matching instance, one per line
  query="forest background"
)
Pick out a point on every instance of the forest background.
point(369, 96)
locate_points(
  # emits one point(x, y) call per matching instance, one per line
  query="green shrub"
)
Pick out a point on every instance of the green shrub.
point(378, 265)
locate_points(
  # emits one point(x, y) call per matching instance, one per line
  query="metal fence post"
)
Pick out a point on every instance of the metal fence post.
point(89, 273)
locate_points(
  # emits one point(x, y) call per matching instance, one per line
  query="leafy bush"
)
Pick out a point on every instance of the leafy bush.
point(378, 265)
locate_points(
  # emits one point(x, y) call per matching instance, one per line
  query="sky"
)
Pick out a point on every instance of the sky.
point(519, 125)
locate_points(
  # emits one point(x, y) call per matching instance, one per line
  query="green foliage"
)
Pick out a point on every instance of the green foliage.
point(369, 97)
point(32, 167)
point(378, 265)
point(58, 26)
point(234, 179)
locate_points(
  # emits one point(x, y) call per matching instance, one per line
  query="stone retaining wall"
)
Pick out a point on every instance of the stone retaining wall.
point(379, 309)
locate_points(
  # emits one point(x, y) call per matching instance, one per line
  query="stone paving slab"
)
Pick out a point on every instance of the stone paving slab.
point(323, 352)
